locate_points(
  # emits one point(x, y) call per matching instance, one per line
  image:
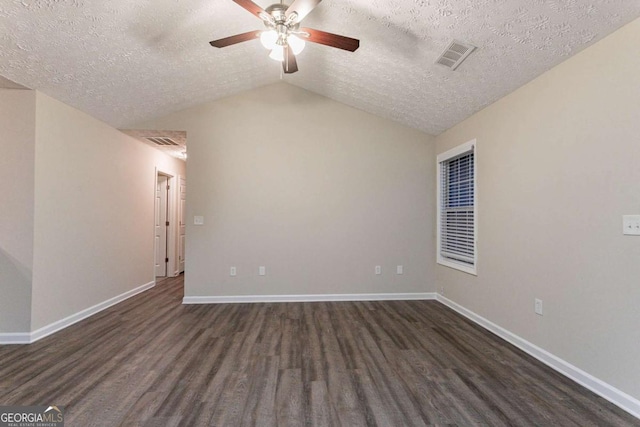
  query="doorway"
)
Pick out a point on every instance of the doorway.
point(162, 225)
point(169, 224)
point(182, 222)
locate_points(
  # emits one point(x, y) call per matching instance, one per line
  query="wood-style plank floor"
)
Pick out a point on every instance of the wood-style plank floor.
point(151, 361)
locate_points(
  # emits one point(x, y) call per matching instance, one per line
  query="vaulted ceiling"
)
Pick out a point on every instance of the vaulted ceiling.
point(126, 61)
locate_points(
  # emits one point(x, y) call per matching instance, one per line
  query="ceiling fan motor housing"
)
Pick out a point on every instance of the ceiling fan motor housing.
point(278, 11)
point(281, 22)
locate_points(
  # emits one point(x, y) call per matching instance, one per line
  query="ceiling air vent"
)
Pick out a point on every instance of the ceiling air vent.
point(161, 140)
point(455, 53)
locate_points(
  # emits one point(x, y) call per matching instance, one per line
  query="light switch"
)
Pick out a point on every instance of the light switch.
point(198, 220)
point(538, 306)
point(631, 225)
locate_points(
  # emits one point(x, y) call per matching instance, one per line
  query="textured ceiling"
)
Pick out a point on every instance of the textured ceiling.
point(128, 61)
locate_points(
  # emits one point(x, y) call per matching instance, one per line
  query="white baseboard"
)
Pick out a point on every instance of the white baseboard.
point(599, 387)
point(81, 315)
point(15, 338)
point(306, 298)
point(28, 338)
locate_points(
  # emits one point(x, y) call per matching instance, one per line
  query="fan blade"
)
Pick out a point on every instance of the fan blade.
point(329, 39)
point(251, 7)
point(238, 38)
point(290, 65)
point(302, 8)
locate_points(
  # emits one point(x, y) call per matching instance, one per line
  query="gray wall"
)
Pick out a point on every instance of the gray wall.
point(316, 191)
point(558, 166)
point(17, 140)
point(89, 225)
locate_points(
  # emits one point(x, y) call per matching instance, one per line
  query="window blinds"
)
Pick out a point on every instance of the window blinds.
point(457, 228)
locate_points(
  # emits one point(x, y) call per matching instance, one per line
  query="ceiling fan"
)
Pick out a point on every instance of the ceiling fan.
point(283, 36)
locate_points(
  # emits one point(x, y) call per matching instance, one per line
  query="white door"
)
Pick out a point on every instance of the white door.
point(182, 222)
point(161, 226)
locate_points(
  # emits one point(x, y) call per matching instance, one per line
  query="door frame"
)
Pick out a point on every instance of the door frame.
point(172, 217)
point(161, 219)
point(180, 262)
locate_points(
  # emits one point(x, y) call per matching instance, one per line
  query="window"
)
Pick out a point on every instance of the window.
point(457, 222)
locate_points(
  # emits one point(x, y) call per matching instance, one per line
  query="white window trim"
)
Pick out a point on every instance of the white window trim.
point(456, 151)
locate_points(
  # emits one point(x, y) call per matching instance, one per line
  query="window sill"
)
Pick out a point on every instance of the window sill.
point(457, 266)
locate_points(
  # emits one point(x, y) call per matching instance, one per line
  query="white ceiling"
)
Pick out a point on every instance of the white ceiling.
point(127, 61)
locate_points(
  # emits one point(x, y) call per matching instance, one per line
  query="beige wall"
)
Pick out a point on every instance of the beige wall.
point(94, 202)
point(17, 121)
point(316, 191)
point(558, 166)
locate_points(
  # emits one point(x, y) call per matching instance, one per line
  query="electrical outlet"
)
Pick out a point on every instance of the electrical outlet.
point(262, 270)
point(631, 225)
point(232, 271)
point(538, 306)
point(442, 290)
point(378, 269)
point(399, 269)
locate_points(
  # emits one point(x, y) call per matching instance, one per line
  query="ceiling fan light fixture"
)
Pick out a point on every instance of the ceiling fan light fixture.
point(283, 36)
point(296, 44)
point(269, 38)
point(277, 53)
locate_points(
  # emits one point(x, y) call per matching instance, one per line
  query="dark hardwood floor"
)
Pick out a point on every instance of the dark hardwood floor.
point(151, 361)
